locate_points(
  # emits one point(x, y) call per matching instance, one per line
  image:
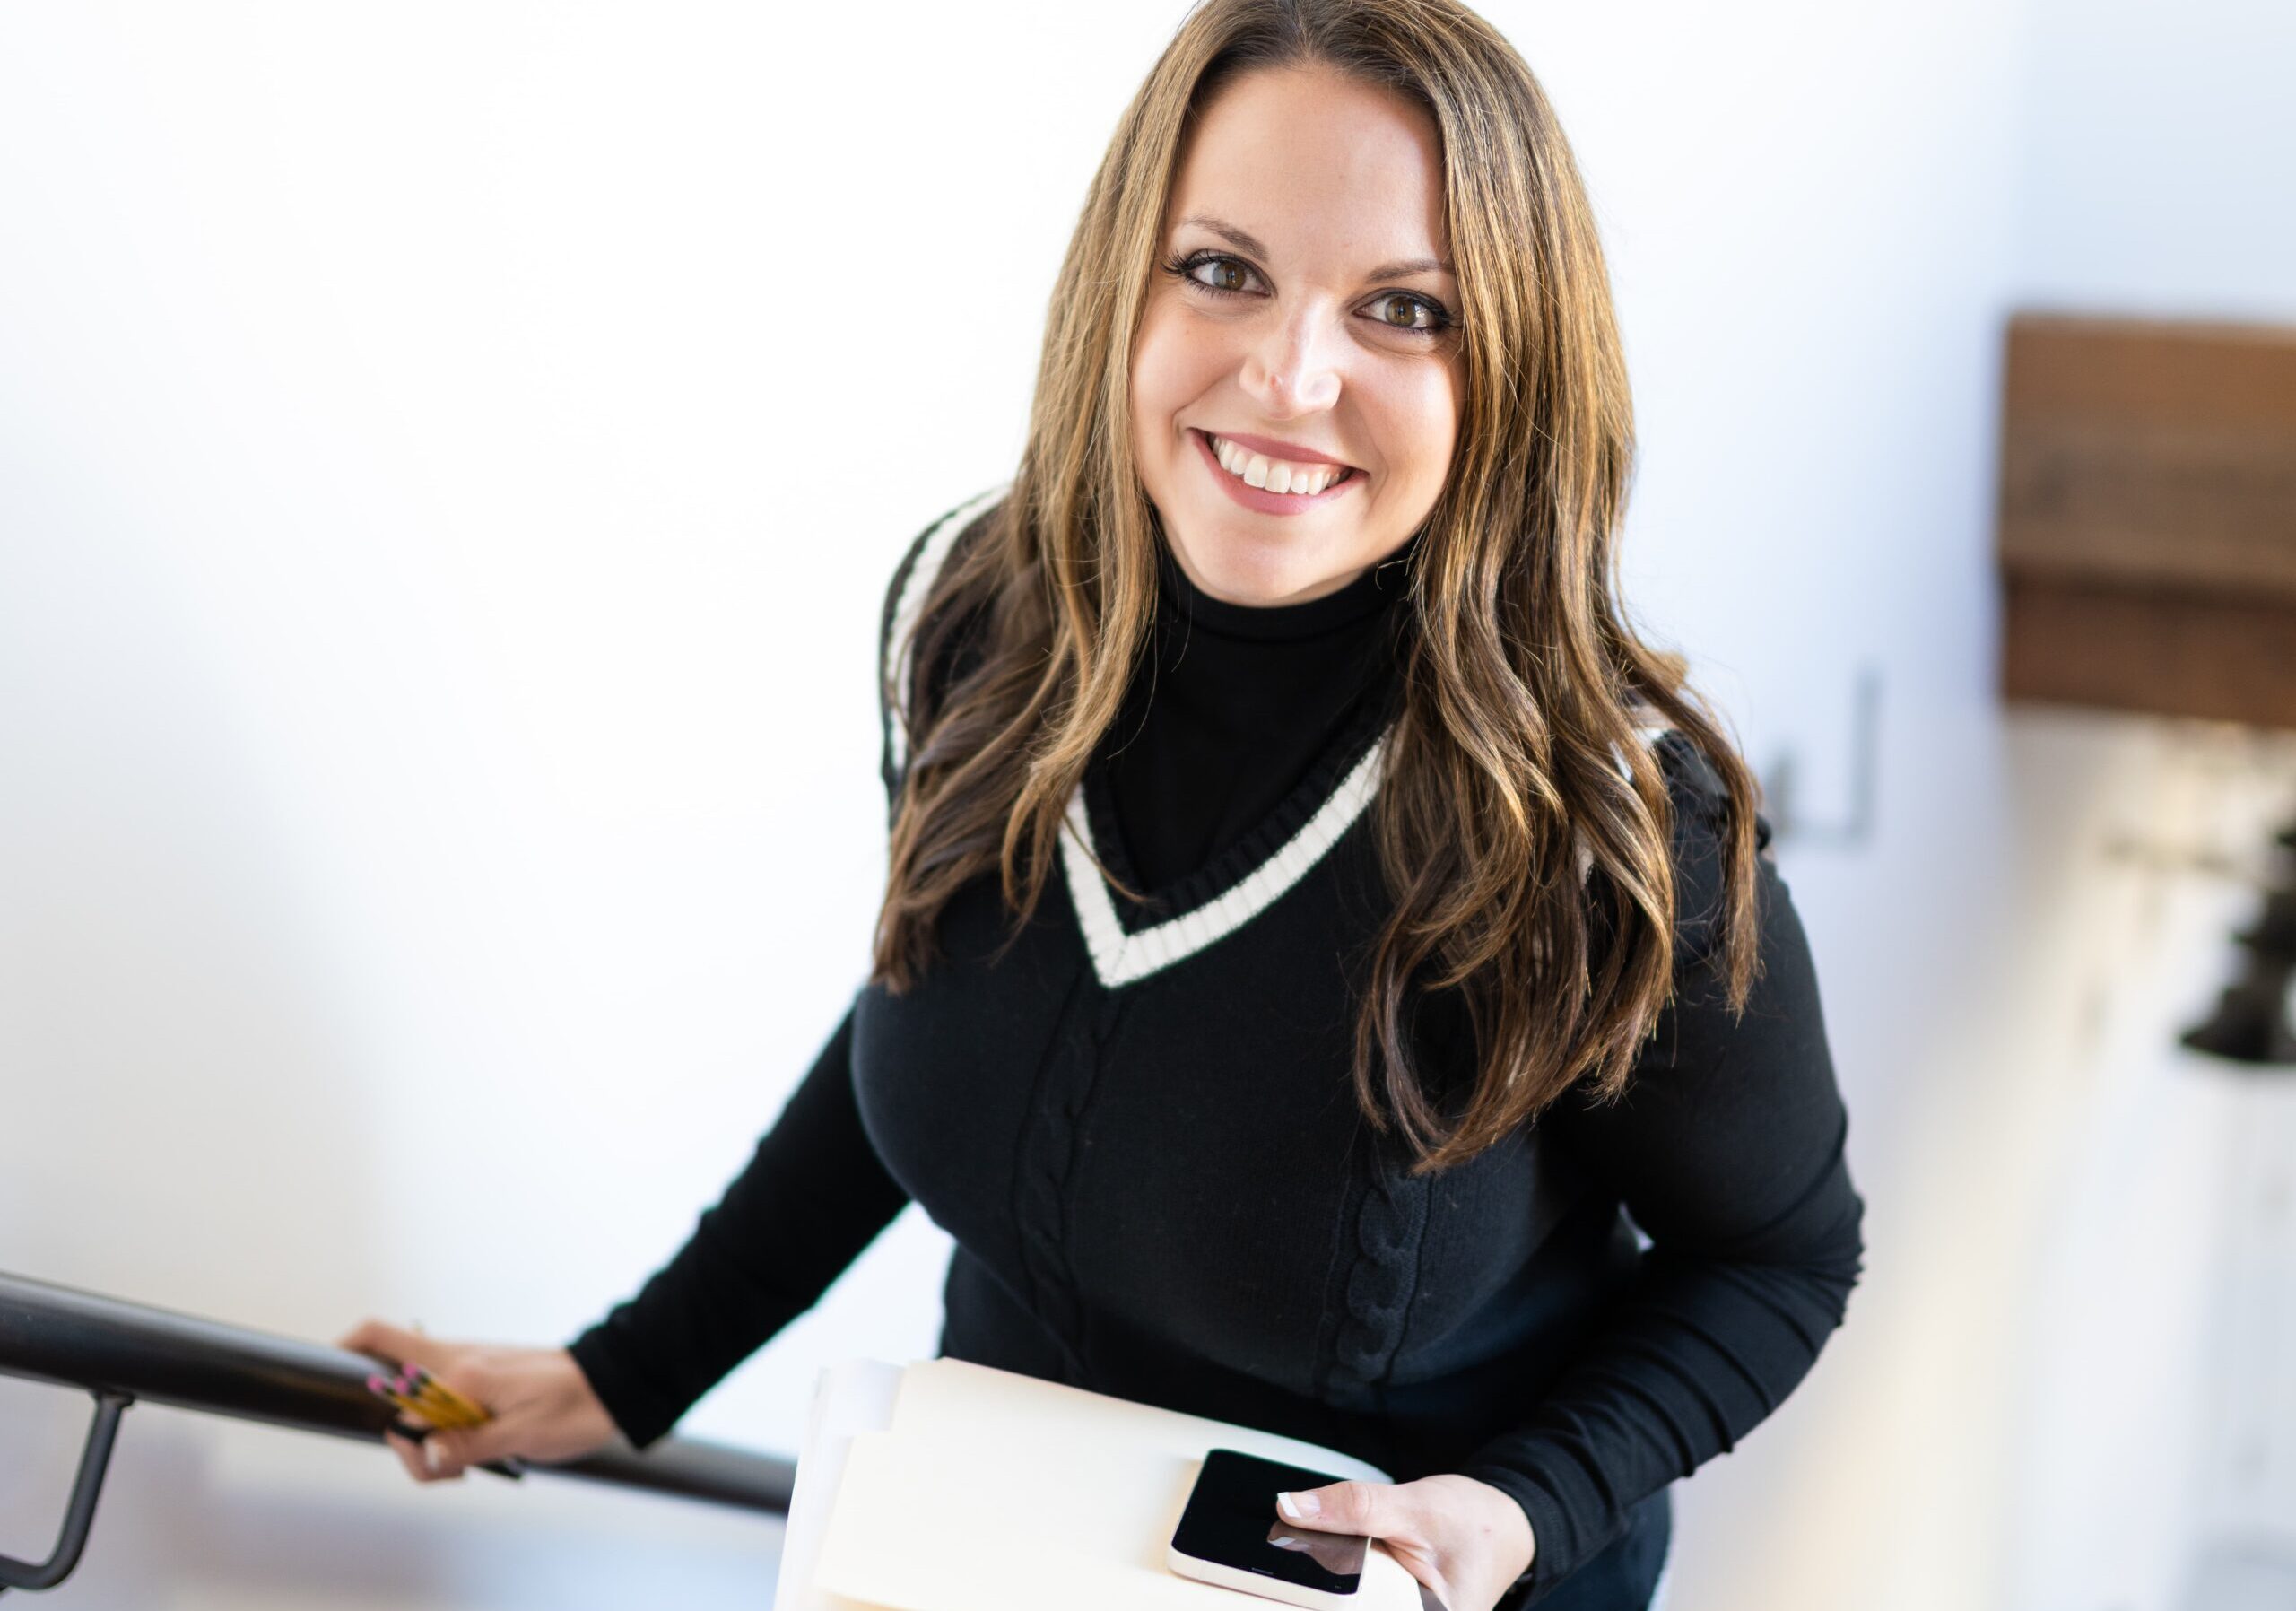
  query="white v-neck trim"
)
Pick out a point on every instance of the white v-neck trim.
point(933, 551)
point(1121, 958)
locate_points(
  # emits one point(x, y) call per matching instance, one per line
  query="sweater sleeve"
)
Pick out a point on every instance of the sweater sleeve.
point(1727, 1151)
point(812, 1197)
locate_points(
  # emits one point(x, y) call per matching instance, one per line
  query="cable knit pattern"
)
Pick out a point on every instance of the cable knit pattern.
point(1388, 1224)
point(1044, 1224)
point(1043, 1204)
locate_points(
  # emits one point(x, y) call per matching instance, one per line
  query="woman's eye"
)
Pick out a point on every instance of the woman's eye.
point(1412, 308)
point(1228, 275)
point(1404, 311)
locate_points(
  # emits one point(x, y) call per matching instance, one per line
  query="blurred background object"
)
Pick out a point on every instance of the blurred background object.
point(2251, 1023)
point(2148, 516)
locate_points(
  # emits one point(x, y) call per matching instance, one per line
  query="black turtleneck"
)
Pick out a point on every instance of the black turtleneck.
point(1233, 704)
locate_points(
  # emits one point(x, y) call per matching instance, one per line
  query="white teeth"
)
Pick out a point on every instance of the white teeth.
point(1275, 475)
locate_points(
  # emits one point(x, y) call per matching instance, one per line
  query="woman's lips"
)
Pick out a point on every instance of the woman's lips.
point(1259, 500)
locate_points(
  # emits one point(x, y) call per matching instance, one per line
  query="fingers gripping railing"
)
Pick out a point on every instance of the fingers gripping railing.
point(120, 1352)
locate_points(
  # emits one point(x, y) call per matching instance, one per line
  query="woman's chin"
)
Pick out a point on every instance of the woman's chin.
point(1263, 572)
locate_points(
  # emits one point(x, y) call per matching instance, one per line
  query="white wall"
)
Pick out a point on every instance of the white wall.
point(450, 458)
point(2159, 159)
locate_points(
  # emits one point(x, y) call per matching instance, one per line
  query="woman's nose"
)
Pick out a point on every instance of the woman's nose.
point(1292, 369)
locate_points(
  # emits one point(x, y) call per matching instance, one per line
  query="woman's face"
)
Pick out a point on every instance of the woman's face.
point(1300, 317)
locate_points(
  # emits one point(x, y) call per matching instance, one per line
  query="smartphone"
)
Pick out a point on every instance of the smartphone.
point(1231, 1534)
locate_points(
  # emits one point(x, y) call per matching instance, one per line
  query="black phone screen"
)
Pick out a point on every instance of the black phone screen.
point(1232, 1518)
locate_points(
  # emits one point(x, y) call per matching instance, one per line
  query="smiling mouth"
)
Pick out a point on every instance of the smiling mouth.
point(1275, 474)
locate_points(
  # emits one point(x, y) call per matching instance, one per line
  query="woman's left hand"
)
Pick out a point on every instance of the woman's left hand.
point(1462, 1538)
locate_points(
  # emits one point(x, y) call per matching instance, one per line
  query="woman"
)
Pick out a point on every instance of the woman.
point(1411, 932)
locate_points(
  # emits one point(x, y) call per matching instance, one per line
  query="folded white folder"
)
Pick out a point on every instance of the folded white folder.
point(951, 1487)
point(848, 1399)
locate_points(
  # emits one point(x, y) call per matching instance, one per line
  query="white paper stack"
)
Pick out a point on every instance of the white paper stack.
point(949, 1487)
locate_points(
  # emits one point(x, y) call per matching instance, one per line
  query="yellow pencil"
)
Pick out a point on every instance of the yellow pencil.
point(437, 1408)
point(432, 1411)
point(419, 1412)
point(428, 1389)
point(449, 1414)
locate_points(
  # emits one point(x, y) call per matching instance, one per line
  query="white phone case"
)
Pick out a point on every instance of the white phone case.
point(1253, 1582)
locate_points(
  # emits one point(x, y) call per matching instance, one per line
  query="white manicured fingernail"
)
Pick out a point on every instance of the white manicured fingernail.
point(1299, 1507)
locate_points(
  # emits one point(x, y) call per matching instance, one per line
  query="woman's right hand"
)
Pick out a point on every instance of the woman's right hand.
point(542, 1405)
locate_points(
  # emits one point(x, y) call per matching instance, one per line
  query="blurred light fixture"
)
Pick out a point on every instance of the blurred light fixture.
point(2251, 1023)
point(2273, 933)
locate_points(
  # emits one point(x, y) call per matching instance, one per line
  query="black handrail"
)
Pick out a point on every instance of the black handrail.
point(121, 1352)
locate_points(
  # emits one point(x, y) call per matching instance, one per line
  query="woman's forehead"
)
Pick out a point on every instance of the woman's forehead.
point(1309, 163)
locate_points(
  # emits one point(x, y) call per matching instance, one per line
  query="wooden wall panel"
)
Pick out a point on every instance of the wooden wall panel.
point(2147, 533)
point(2218, 657)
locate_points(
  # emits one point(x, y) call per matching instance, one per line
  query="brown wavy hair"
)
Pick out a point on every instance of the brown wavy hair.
point(1515, 753)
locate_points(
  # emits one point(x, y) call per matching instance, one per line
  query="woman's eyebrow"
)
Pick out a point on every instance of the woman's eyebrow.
point(1244, 241)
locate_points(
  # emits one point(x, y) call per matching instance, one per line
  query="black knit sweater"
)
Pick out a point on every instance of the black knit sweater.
point(1138, 1129)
